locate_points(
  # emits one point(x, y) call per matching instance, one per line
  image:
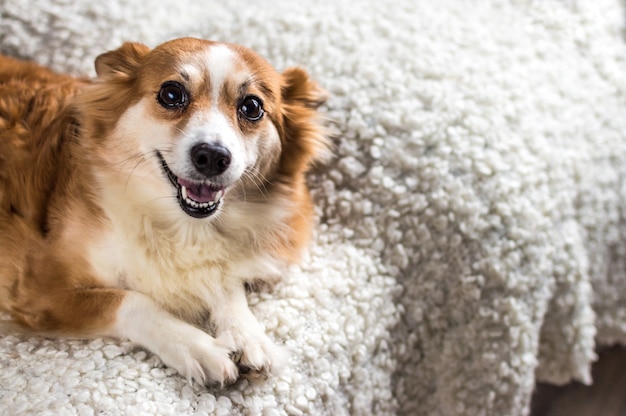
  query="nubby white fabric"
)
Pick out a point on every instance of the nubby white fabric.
point(472, 223)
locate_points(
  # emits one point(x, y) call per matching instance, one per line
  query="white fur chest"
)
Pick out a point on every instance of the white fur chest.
point(185, 270)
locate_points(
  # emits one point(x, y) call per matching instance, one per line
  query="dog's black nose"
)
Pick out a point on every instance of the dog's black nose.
point(210, 159)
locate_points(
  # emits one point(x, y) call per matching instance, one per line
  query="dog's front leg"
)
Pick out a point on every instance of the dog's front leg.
point(237, 327)
point(126, 314)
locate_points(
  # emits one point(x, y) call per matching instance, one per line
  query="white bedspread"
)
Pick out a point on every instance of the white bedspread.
point(472, 225)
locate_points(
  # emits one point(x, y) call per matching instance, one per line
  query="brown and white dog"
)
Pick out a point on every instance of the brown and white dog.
point(137, 204)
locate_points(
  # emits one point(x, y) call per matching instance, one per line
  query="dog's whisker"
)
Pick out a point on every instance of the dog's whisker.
point(258, 180)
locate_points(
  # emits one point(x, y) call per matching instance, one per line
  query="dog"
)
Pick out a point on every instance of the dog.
point(141, 203)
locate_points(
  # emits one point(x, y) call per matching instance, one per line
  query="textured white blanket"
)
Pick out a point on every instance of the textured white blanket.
point(472, 234)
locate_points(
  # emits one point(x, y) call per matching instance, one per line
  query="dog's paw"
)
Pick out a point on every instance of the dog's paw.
point(254, 353)
point(189, 350)
point(200, 357)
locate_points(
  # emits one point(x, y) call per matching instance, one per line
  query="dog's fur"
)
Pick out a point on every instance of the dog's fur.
point(95, 236)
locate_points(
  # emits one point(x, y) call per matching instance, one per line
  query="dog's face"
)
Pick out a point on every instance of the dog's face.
point(204, 122)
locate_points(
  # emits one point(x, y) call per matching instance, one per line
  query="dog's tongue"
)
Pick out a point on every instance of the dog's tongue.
point(199, 192)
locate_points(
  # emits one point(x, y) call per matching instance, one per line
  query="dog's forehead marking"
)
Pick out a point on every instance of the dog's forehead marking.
point(221, 63)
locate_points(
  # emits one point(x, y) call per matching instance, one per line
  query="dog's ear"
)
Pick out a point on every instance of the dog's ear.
point(303, 135)
point(122, 61)
point(298, 88)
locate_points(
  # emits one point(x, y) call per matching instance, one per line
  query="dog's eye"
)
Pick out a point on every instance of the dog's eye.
point(172, 95)
point(251, 107)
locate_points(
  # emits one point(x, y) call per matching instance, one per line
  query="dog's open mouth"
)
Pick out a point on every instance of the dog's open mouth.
point(197, 199)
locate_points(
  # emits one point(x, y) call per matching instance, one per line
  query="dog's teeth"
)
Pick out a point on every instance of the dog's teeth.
point(200, 205)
